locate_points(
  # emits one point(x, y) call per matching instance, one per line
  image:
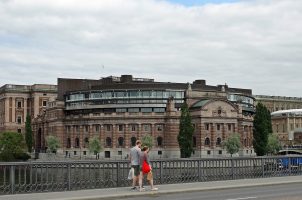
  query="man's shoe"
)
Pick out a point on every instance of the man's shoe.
point(133, 188)
point(154, 189)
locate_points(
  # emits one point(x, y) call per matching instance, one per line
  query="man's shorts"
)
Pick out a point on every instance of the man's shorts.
point(136, 170)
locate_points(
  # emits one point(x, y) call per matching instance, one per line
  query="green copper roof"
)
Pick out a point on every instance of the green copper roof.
point(200, 103)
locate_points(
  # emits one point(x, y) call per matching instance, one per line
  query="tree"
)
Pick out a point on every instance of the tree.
point(186, 130)
point(273, 145)
point(28, 134)
point(12, 145)
point(53, 143)
point(95, 146)
point(147, 140)
point(262, 128)
point(232, 143)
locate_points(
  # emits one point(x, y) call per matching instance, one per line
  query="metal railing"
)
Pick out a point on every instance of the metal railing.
point(29, 177)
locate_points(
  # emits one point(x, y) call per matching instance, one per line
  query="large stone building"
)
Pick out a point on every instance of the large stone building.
point(120, 110)
point(287, 125)
point(16, 101)
point(275, 103)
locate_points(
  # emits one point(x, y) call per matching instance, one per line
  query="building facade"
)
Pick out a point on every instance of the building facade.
point(17, 101)
point(120, 110)
point(287, 125)
point(275, 103)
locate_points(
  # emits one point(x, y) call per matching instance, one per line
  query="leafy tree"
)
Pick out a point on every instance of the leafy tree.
point(273, 145)
point(12, 145)
point(186, 129)
point(232, 143)
point(53, 143)
point(95, 146)
point(28, 134)
point(147, 140)
point(262, 128)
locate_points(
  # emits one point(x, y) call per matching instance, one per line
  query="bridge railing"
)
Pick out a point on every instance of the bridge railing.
point(26, 177)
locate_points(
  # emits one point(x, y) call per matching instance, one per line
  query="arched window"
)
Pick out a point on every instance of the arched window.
point(245, 142)
point(77, 143)
point(68, 145)
point(108, 142)
point(120, 141)
point(218, 141)
point(86, 142)
point(207, 141)
point(133, 141)
point(159, 141)
point(194, 141)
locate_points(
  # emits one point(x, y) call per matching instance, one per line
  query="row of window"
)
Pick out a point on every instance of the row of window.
point(157, 94)
point(207, 141)
point(120, 127)
point(108, 142)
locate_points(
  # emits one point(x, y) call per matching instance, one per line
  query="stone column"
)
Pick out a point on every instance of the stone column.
point(14, 110)
point(212, 133)
point(25, 107)
point(127, 136)
point(114, 136)
point(102, 135)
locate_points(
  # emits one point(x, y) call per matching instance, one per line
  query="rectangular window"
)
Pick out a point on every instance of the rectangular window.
point(86, 129)
point(108, 127)
point(19, 119)
point(159, 152)
point(107, 154)
point(209, 152)
point(133, 110)
point(119, 153)
point(159, 127)
point(146, 110)
point(19, 130)
point(133, 127)
point(120, 127)
point(121, 110)
point(159, 110)
point(229, 127)
point(218, 127)
point(19, 104)
point(147, 127)
point(207, 126)
point(220, 152)
point(44, 103)
point(97, 128)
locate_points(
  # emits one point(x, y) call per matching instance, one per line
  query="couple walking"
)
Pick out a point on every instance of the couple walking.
point(137, 157)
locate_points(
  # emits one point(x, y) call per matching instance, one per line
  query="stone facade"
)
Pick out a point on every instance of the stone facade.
point(17, 101)
point(275, 103)
point(120, 110)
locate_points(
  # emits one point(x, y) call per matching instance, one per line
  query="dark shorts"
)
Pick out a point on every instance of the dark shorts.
point(136, 169)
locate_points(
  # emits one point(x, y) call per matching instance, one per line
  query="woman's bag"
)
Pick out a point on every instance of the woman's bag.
point(131, 173)
point(146, 167)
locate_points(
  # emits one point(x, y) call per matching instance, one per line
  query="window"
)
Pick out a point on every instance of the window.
point(133, 141)
point(218, 141)
point(194, 141)
point(19, 119)
point(84, 153)
point(209, 152)
point(19, 104)
point(220, 152)
point(229, 127)
point(19, 130)
point(159, 127)
point(107, 154)
point(120, 127)
point(86, 142)
point(44, 103)
point(86, 129)
point(277, 127)
point(97, 128)
point(119, 153)
point(133, 127)
point(107, 127)
point(207, 126)
point(218, 127)
point(77, 143)
point(160, 153)
point(75, 153)
point(147, 127)
point(120, 141)
point(68, 145)
point(146, 110)
point(207, 141)
point(159, 141)
point(108, 142)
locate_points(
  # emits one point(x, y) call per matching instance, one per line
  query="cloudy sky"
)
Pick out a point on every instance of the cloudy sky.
point(254, 44)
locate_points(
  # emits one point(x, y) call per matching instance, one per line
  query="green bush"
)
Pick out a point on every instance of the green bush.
point(22, 156)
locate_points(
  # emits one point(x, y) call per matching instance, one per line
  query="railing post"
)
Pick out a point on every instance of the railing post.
point(69, 175)
point(262, 167)
point(12, 178)
point(161, 171)
point(233, 168)
point(117, 174)
point(199, 171)
point(289, 166)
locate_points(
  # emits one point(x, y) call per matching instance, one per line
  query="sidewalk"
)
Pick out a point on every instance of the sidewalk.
point(163, 189)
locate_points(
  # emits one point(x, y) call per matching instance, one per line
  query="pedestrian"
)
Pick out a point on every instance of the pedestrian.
point(135, 153)
point(145, 158)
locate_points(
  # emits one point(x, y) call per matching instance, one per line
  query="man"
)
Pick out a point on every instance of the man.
point(135, 162)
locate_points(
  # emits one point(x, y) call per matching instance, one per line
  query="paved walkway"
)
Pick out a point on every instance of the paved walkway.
point(163, 189)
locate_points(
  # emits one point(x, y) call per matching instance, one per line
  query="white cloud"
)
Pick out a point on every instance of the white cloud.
point(250, 44)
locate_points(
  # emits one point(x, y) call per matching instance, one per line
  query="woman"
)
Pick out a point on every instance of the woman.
point(145, 157)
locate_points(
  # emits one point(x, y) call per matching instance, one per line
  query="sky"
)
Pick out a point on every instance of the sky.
point(252, 44)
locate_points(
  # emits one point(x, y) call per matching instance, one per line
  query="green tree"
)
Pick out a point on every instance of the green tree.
point(94, 146)
point(273, 145)
point(147, 140)
point(12, 145)
point(53, 143)
point(28, 134)
point(186, 130)
point(232, 143)
point(262, 128)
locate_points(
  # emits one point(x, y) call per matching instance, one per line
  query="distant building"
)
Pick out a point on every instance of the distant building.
point(120, 110)
point(16, 101)
point(275, 103)
point(287, 125)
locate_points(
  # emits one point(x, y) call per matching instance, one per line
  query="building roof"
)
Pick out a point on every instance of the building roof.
point(287, 112)
point(200, 103)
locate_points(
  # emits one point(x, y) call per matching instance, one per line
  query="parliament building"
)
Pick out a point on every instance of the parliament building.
point(120, 110)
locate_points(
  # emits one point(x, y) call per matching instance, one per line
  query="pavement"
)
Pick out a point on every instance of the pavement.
point(119, 193)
